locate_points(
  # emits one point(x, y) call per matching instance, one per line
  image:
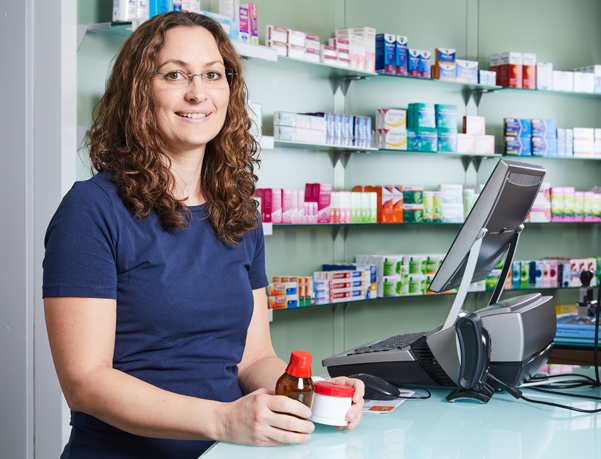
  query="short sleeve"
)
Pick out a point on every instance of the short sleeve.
point(256, 272)
point(80, 258)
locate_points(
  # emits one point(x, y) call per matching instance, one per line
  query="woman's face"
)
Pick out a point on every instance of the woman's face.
point(189, 116)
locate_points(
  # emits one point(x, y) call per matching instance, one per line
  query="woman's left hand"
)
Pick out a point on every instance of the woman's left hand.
point(354, 414)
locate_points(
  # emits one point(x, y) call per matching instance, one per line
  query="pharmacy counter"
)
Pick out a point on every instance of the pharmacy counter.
point(505, 428)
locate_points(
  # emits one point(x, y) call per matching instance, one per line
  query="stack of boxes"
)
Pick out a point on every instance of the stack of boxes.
point(376, 204)
point(541, 208)
point(538, 137)
point(239, 18)
point(452, 203)
point(391, 128)
point(474, 139)
point(421, 127)
point(517, 136)
point(393, 57)
point(544, 137)
point(369, 269)
point(361, 47)
point(290, 292)
point(552, 273)
point(569, 205)
point(402, 275)
point(323, 128)
point(444, 67)
point(515, 70)
point(293, 43)
point(584, 142)
point(594, 70)
point(341, 286)
point(446, 127)
point(419, 63)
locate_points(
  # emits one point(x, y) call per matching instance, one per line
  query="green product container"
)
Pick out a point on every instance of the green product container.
point(413, 215)
point(389, 288)
point(402, 287)
point(391, 266)
point(413, 195)
point(491, 281)
point(417, 285)
point(437, 207)
point(428, 206)
point(556, 204)
point(446, 116)
point(524, 274)
point(415, 266)
point(589, 204)
point(421, 115)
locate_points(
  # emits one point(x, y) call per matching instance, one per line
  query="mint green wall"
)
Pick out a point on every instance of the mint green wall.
point(566, 33)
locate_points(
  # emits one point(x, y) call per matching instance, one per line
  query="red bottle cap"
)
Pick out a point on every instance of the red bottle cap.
point(333, 389)
point(300, 364)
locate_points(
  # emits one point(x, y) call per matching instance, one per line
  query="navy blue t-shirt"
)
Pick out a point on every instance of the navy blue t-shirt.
point(184, 303)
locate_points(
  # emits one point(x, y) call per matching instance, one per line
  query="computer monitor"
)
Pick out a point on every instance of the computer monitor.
point(496, 218)
point(521, 329)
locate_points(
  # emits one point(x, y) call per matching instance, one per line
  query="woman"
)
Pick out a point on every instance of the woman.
point(154, 271)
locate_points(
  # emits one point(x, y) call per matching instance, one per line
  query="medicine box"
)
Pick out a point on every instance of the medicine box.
point(452, 213)
point(485, 144)
point(413, 213)
point(231, 9)
point(252, 20)
point(444, 56)
point(544, 76)
point(467, 71)
point(279, 46)
point(244, 24)
point(296, 37)
point(401, 54)
point(517, 127)
point(447, 140)
point(312, 42)
point(287, 133)
point(446, 116)
point(413, 195)
point(520, 146)
point(509, 70)
point(295, 51)
point(447, 72)
point(421, 115)
point(386, 53)
point(544, 146)
point(474, 125)
point(529, 71)
point(584, 82)
point(425, 58)
point(544, 128)
point(466, 143)
point(391, 119)
point(413, 63)
point(563, 81)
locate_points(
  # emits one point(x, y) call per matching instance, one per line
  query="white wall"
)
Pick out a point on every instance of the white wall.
point(37, 141)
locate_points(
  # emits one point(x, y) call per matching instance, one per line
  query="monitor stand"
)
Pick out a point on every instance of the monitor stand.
point(470, 268)
point(480, 391)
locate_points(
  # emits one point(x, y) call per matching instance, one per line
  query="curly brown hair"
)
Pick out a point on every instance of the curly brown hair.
point(125, 140)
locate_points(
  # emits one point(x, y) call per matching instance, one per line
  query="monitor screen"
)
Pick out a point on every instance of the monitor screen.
point(501, 208)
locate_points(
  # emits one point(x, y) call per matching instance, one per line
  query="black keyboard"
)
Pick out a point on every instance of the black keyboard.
point(390, 344)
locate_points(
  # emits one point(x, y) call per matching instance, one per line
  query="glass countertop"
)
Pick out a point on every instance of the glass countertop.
point(505, 428)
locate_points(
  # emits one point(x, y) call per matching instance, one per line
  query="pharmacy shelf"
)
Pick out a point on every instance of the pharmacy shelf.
point(392, 225)
point(439, 153)
point(123, 30)
point(563, 158)
point(346, 304)
point(321, 146)
point(430, 83)
point(316, 69)
point(539, 92)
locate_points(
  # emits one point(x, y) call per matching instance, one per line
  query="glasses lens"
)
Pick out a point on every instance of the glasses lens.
point(229, 74)
point(174, 79)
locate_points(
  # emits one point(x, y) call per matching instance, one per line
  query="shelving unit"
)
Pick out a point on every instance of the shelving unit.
point(346, 304)
point(301, 248)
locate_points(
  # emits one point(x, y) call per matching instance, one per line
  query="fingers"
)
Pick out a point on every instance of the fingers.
point(355, 413)
point(281, 404)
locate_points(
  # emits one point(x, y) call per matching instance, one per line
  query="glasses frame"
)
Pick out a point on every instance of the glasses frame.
point(229, 76)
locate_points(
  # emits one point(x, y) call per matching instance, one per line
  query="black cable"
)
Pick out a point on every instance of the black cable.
point(516, 393)
point(547, 391)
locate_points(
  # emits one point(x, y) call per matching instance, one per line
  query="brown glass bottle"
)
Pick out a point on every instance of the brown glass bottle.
point(296, 383)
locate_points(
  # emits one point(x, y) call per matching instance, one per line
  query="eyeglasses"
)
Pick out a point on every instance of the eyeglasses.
point(212, 79)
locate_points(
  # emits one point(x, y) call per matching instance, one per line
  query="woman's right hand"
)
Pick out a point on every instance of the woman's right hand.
point(262, 418)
